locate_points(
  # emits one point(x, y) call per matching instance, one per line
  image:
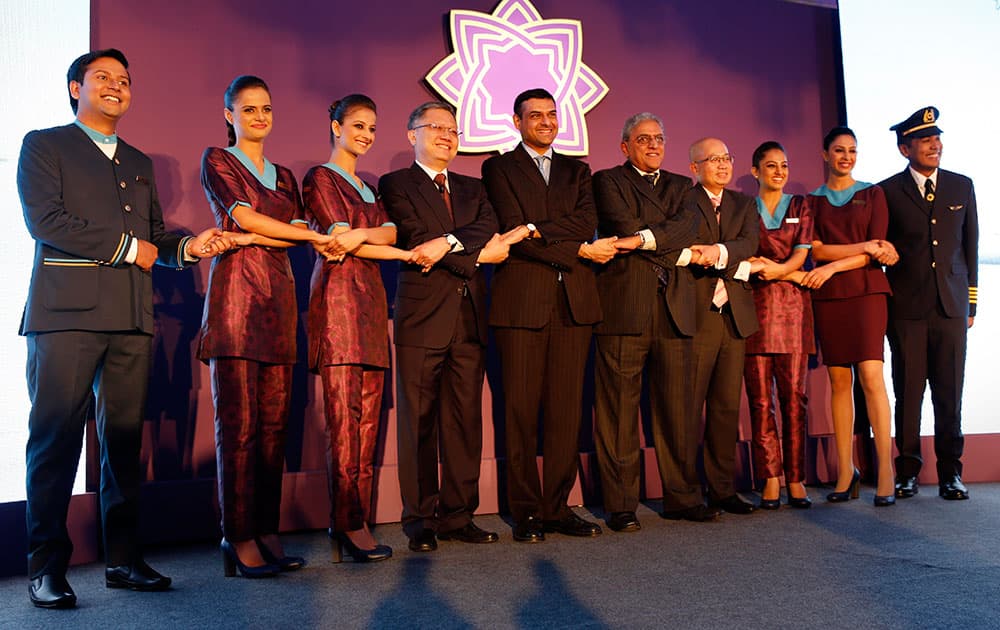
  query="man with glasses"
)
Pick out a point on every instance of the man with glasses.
point(648, 319)
point(725, 316)
point(544, 307)
point(440, 331)
point(934, 226)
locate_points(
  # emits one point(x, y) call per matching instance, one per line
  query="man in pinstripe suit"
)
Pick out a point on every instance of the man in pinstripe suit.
point(648, 318)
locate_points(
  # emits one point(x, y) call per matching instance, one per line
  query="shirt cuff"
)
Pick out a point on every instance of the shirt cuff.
point(648, 240)
point(302, 221)
point(723, 261)
point(182, 250)
point(133, 252)
point(456, 245)
point(685, 258)
point(743, 271)
point(337, 225)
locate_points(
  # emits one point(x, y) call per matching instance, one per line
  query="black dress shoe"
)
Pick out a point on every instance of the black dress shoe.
point(51, 591)
point(698, 513)
point(137, 576)
point(624, 522)
point(735, 504)
point(573, 525)
point(469, 533)
point(529, 530)
point(906, 486)
point(424, 541)
point(953, 489)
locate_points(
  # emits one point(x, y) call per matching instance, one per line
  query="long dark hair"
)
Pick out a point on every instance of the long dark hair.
point(340, 109)
point(240, 83)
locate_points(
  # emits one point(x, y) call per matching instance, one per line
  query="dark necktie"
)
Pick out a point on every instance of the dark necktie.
point(719, 296)
point(650, 179)
point(929, 190)
point(442, 185)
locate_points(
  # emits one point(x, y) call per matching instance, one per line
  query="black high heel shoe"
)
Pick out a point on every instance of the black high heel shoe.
point(853, 491)
point(803, 503)
point(885, 501)
point(770, 504)
point(231, 562)
point(284, 563)
point(339, 542)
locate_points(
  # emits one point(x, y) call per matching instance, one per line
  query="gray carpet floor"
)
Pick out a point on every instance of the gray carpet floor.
point(926, 563)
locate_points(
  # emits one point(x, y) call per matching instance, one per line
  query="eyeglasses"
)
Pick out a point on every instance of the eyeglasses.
point(645, 139)
point(440, 129)
point(717, 160)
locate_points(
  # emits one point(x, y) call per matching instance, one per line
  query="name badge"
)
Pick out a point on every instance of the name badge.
point(283, 186)
point(955, 208)
point(792, 220)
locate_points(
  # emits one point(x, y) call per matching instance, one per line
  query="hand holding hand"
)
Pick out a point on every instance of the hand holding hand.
point(210, 242)
point(429, 253)
point(600, 251)
point(817, 277)
point(628, 243)
point(516, 235)
point(709, 254)
point(495, 251)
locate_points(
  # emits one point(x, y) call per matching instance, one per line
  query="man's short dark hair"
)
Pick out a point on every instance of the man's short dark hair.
point(528, 95)
point(419, 112)
point(79, 68)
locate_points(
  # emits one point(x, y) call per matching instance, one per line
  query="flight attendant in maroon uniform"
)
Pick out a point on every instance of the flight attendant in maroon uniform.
point(348, 343)
point(777, 356)
point(248, 329)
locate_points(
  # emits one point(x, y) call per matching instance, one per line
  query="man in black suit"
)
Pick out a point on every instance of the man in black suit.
point(933, 224)
point(544, 307)
point(440, 331)
point(648, 316)
point(90, 204)
point(725, 315)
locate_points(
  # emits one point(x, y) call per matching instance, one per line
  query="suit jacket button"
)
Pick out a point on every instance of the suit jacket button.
point(933, 265)
point(121, 184)
point(128, 208)
point(933, 221)
point(934, 243)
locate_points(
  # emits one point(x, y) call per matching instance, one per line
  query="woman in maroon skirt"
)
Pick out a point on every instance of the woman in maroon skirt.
point(849, 304)
point(777, 356)
point(248, 329)
point(348, 341)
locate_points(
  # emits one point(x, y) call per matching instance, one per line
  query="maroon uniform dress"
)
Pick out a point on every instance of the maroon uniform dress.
point(248, 338)
point(348, 343)
point(850, 308)
point(777, 355)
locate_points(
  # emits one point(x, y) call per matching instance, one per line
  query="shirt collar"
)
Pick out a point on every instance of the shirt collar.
point(535, 154)
point(655, 174)
point(920, 178)
point(432, 173)
point(95, 135)
point(269, 179)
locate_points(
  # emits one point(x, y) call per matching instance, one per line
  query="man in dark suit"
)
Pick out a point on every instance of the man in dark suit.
point(648, 316)
point(725, 315)
point(544, 307)
point(90, 204)
point(440, 331)
point(933, 224)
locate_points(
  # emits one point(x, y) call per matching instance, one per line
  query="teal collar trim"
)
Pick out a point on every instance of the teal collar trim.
point(270, 177)
point(97, 136)
point(840, 197)
point(366, 193)
point(774, 222)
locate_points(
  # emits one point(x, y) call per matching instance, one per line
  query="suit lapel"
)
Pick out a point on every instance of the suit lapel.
point(461, 202)
point(911, 190)
point(432, 198)
point(708, 212)
point(641, 185)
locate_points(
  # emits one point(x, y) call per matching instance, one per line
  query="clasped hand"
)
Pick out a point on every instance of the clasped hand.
point(882, 251)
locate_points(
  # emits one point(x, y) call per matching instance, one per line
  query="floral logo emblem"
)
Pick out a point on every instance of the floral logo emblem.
point(499, 55)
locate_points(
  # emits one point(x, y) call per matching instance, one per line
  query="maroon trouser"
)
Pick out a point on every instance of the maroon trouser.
point(786, 373)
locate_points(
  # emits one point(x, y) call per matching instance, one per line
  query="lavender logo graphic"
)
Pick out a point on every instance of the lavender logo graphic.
point(497, 56)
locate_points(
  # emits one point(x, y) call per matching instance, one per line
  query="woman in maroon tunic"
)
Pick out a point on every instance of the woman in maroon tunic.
point(777, 356)
point(849, 305)
point(248, 329)
point(348, 342)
